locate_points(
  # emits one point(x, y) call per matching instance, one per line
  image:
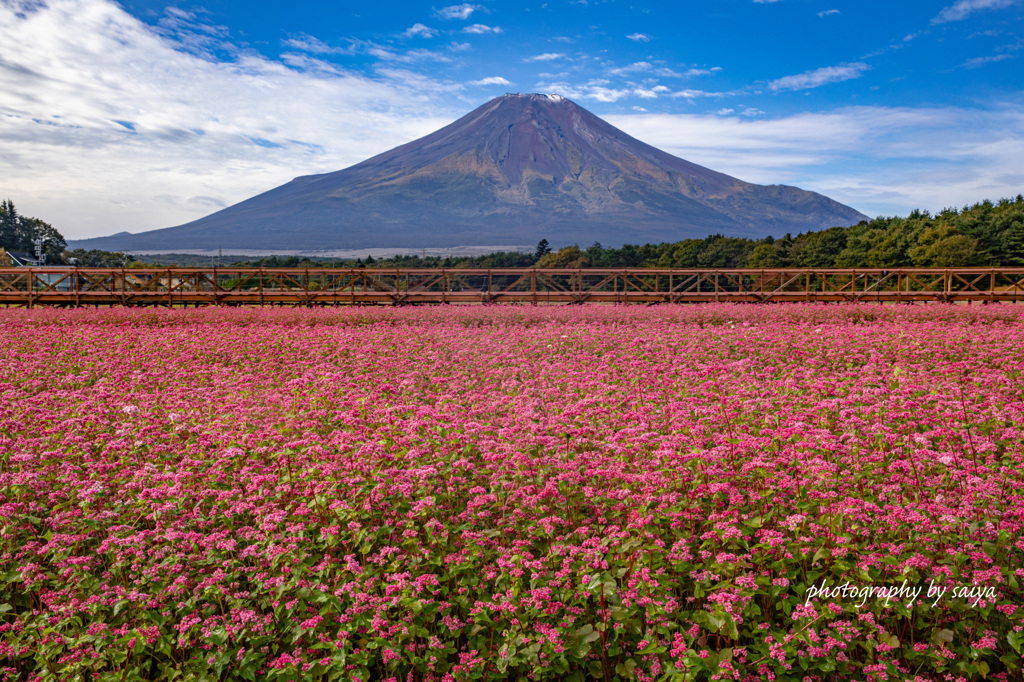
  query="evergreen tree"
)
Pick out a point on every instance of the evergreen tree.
point(8, 225)
point(542, 249)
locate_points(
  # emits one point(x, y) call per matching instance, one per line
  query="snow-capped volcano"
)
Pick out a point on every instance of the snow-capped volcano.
point(520, 168)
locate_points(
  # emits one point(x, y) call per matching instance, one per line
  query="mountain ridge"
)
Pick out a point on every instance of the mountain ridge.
point(517, 169)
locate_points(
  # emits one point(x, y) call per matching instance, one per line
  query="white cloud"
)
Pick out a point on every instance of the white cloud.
point(207, 133)
point(481, 29)
point(491, 80)
point(964, 8)
point(595, 90)
point(598, 90)
point(819, 77)
point(977, 62)
point(388, 54)
point(546, 57)
point(639, 37)
point(828, 13)
point(462, 11)
point(880, 160)
point(420, 30)
point(691, 94)
point(646, 67)
point(650, 93)
point(313, 45)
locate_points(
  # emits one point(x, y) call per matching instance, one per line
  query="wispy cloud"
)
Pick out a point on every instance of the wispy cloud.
point(481, 29)
point(491, 80)
point(307, 43)
point(644, 68)
point(964, 8)
point(462, 11)
point(600, 90)
point(390, 54)
point(650, 93)
point(651, 69)
point(597, 91)
point(419, 30)
point(639, 37)
point(828, 13)
point(691, 94)
point(312, 45)
point(702, 72)
point(977, 62)
point(819, 77)
point(546, 57)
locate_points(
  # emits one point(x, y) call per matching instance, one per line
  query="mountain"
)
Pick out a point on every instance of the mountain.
point(518, 169)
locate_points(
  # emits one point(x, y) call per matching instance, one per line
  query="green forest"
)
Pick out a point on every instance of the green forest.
point(985, 234)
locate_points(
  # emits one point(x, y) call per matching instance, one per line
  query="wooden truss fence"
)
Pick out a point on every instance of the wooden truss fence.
point(28, 287)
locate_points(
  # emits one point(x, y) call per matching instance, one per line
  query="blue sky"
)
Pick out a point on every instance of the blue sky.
point(146, 114)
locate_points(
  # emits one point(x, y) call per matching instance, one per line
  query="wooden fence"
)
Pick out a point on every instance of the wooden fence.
point(62, 286)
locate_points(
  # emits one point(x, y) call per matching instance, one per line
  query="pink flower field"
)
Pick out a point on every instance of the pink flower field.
point(714, 492)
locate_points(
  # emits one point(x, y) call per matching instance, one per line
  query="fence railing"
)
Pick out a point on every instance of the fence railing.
point(29, 287)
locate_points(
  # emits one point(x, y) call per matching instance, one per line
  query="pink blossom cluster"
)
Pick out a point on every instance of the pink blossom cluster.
point(549, 493)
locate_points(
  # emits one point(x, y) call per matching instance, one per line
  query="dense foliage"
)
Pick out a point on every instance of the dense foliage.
point(493, 493)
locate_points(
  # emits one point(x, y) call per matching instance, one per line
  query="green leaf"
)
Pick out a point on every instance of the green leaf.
point(1015, 639)
point(731, 628)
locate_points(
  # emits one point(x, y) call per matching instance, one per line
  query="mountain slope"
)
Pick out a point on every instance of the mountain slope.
point(515, 170)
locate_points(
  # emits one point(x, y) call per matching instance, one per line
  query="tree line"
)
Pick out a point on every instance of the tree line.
point(985, 234)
